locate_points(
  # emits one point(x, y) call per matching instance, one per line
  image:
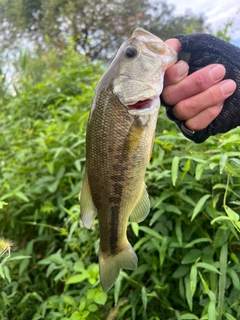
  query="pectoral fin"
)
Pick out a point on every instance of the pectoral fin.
point(142, 207)
point(88, 211)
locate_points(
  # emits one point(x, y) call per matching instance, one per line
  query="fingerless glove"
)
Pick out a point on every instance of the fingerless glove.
point(200, 50)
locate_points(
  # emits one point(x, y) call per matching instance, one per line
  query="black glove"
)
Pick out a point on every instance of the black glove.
point(200, 50)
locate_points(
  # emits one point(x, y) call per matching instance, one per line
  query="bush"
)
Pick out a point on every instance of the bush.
point(188, 247)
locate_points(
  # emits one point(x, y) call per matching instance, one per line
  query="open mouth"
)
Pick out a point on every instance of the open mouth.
point(144, 106)
point(141, 105)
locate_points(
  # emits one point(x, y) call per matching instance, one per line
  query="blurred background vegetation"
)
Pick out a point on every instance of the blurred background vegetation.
point(52, 56)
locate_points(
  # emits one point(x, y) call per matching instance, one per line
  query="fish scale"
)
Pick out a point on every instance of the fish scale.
point(104, 165)
point(118, 148)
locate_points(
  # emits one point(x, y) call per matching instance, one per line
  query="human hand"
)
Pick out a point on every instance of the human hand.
point(195, 100)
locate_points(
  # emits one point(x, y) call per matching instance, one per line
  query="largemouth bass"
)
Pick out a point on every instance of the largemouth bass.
point(119, 141)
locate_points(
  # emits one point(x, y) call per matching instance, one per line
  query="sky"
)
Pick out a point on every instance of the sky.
point(217, 13)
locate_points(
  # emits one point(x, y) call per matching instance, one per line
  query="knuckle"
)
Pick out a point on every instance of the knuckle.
point(168, 95)
point(181, 111)
point(214, 96)
point(200, 81)
point(212, 112)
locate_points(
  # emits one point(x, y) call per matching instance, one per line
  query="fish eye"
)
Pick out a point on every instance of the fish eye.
point(130, 52)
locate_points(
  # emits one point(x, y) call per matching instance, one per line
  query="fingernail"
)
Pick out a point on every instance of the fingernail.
point(182, 68)
point(217, 73)
point(228, 87)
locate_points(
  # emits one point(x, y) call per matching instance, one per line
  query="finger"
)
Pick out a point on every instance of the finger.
point(194, 84)
point(174, 43)
point(176, 73)
point(204, 118)
point(188, 108)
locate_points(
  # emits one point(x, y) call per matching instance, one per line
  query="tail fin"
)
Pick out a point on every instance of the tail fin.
point(110, 265)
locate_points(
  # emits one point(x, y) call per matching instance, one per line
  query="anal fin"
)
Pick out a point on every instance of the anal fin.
point(88, 211)
point(110, 265)
point(142, 208)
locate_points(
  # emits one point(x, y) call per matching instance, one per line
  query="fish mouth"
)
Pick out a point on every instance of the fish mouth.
point(143, 106)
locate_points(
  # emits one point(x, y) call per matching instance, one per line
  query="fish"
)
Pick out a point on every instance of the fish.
point(119, 139)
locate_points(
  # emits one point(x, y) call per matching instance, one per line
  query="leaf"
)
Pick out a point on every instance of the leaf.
point(221, 237)
point(222, 278)
point(207, 266)
point(23, 266)
point(191, 256)
point(204, 283)
point(2, 203)
point(199, 240)
point(144, 298)
point(100, 297)
point(151, 232)
point(187, 165)
point(211, 310)
point(193, 279)
point(164, 195)
point(186, 198)
point(50, 166)
point(1, 272)
point(135, 227)
point(140, 270)
point(180, 272)
point(25, 298)
point(175, 164)
point(6, 301)
point(37, 296)
point(235, 278)
point(78, 278)
point(163, 249)
point(234, 258)
point(60, 173)
point(188, 316)
point(229, 317)
point(178, 230)
point(53, 186)
point(92, 307)
point(199, 205)
point(173, 209)
point(79, 315)
point(199, 171)
point(232, 214)
point(156, 216)
point(61, 274)
point(117, 288)
point(222, 162)
point(22, 196)
point(196, 158)
point(7, 273)
point(20, 257)
point(188, 292)
point(222, 218)
point(56, 258)
point(78, 266)
point(68, 300)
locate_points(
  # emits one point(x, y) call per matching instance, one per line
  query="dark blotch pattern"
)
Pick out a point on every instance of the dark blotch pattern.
point(115, 210)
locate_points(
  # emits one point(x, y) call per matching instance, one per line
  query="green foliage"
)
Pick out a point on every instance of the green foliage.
point(224, 33)
point(97, 28)
point(188, 247)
